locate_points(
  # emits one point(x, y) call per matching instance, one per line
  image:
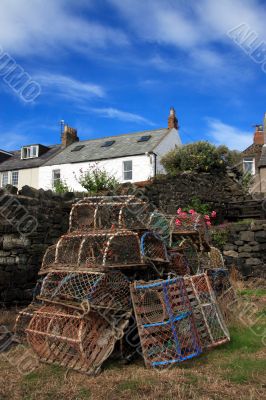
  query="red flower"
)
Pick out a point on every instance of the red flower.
point(207, 217)
point(192, 212)
point(178, 222)
point(179, 211)
point(213, 214)
point(208, 223)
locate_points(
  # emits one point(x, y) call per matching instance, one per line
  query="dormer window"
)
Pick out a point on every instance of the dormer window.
point(29, 152)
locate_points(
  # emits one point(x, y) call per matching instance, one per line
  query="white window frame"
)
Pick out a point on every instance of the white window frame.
point(54, 171)
point(12, 178)
point(29, 152)
point(127, 170)
point(251, 161)
point(5, 174)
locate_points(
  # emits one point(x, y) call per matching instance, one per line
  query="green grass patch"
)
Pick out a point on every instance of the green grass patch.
point(130, 384)
point(244, 370)
point(84, 394)
point(253, 292)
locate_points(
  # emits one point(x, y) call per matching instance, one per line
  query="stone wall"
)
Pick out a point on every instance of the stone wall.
point(246, 248)
point(29, 223)
point(169, 193)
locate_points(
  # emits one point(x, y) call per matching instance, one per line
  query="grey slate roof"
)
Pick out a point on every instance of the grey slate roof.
point(125, 145)
point(262, 162)
point(15, 162)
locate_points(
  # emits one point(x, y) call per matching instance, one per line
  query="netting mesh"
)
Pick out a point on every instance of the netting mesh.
point(224, 291)
point(106, 212)
point(165, 322)
point(23, 319)
point(152, 247)
point(209, 321)
point(105, 290)
point(61, 336)
point(178, 263)
point(190, 251)
point(86, 251)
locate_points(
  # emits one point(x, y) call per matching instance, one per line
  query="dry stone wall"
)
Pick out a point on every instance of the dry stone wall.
point(29, 223)
point(246, 248)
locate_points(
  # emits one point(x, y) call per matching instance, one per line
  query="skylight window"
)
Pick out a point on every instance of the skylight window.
point(108, 143)
point(144, 138)
point(78, 148)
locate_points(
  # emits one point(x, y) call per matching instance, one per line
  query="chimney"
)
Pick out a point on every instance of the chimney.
point(69, 136)
point(258, 135)
point(172, 120)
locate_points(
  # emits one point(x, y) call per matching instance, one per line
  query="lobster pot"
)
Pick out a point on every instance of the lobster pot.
point(153, 248)
point(60, 336)
point(49, 258)
point(23, 319)
point(84, 252)
point(93, 213)
point(191, 255)
point(165, 322)
point(209, 320)
point(104, 290)
point(178, 263)
point(224, 291)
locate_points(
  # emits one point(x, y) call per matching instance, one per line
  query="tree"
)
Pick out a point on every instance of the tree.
point(96, 180)
point(199, 157)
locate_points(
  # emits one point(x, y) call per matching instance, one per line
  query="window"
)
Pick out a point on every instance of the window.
point(127, 170)
point(249, 165)
point(14, 178)
point(56, 176)
point(78, 148)
point(4, 179)
point(108, 143)
point(144, 138)
point(29, 152)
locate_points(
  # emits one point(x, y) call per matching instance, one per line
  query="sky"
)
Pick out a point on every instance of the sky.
point(109, 67)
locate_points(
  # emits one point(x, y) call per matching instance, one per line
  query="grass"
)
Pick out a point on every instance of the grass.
point(234, 370)
point(253, 292)
point(243, 370)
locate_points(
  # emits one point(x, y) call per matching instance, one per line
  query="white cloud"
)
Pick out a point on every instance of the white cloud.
point(221, 133)
point(114, 113)
point(68, 87)
point(50, 26)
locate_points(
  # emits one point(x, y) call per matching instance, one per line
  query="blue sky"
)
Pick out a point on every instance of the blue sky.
point(114, 66)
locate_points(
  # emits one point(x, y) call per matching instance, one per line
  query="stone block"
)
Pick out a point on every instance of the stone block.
point(239, 242)
point(231, 253)
point(246, 248)
point(247, 236)
point(253, 261)
point(243, 255)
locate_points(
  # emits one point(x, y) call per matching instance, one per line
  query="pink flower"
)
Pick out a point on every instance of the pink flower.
point(192, 212)
point(183, 214)
point(208, 223)
point(213, 214)
point(179, 211)
point(178, 222)
point(207, 217)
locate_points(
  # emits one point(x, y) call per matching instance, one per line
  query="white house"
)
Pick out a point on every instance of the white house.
point(131, 157)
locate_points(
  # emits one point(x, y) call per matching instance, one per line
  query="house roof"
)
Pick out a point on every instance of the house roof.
point(262, 162)
point(124, 145)
point(15, 162)
point(253, 149)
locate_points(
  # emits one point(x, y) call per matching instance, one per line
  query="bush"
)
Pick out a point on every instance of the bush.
point(96, 180)
point(61, 187)
point(199, 157)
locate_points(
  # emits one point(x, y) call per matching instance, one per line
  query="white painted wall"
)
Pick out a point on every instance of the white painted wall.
point(168, 143)
point(142, 170)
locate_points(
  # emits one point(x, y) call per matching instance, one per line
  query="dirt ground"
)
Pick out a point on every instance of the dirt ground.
point(232, 371)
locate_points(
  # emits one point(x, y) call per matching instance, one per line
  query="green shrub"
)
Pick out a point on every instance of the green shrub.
point(96, 180)
point(220, 235)
point(198, 206)
point(199, 157)
point(61, 187)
